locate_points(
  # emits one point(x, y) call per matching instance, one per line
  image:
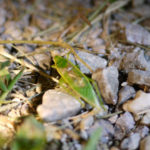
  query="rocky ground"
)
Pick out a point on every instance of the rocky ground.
point(112, 38)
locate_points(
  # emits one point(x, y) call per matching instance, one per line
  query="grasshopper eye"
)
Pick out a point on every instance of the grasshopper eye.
point(60, 62)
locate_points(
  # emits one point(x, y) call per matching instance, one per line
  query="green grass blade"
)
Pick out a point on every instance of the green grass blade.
point(8, 79)
point(3, 86)
point(4, 64)
point(76, 80)
point(93, 140)
point(10, 86)
point(13, 82)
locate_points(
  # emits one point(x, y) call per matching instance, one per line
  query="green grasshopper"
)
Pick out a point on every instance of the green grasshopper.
point(77, 81)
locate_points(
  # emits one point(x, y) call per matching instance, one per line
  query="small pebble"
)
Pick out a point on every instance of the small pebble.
point(134, 60)
point(57, 105)
point(125, 122)
point(125, 93)
point(113, 119)
point(107, 130)
point(139, 77)
point(137, 34)
point(142, 130)
point(86, 123)
point(139, 105)
point(131, 142)
point(108, 83)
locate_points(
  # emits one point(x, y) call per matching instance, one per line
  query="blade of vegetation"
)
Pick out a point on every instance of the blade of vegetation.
point(10, 86)
point(3, 69)
point(3, 86)
point(78, 82)
point(30, 136)
point(4, 64)
point(93, 140)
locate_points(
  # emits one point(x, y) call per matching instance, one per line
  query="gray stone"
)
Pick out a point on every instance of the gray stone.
point(134, 60)
point(139, 77)
point(145, 143)
point(107, 130)
point(137, 2)
point(125, 93)
point(113, 119)
point(123, 125)
point(119, 134)
point(142, 130)
point(142, 10)
point(3, 13)
point(108, 83)
point(137, 34)
point(125, 122)
point(93, 61)
point(57, 105)
point(131, 142)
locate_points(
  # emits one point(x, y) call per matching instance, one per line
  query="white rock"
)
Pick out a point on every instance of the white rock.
point(57, 105)
point(134, 60)
point(140, 104)
point(107, 130)
point(137, 34)
point(142, 130)
point(93, 61)
point(125, 93)
point(146, 119)
point(108, 83)
point(131, 142)
point(125, 122)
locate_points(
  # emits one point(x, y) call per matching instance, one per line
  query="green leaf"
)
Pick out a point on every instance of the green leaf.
point(30, 136)
point(77, 81)
point(93, 140)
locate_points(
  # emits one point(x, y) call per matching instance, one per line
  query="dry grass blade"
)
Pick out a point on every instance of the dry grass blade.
point(116, 5)
point(60, 44)
point(25, 64)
